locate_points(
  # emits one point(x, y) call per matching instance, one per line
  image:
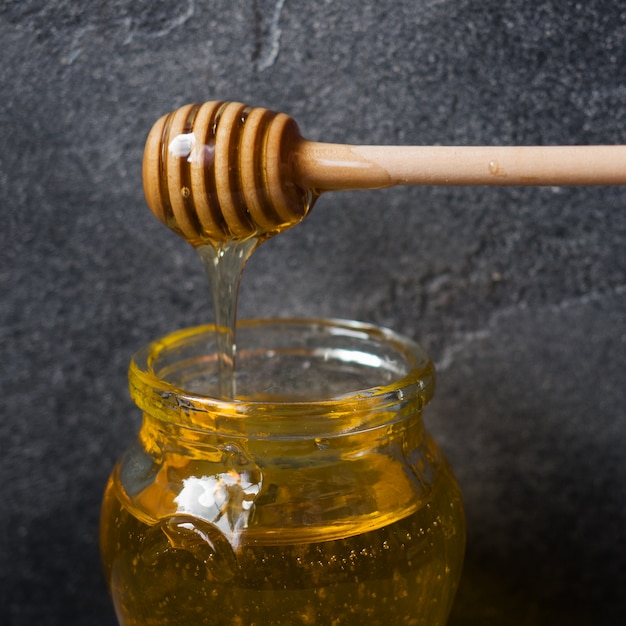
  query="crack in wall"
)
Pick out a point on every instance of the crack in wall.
point(169, 25)
point(267, 33)
point(76, 48)
point(465, 339)
point(153, 24)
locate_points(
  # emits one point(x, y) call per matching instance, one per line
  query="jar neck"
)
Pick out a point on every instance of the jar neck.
point(300, 381)
point(297, 435)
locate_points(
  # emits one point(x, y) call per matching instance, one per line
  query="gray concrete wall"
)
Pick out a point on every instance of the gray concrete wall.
point(519, 294)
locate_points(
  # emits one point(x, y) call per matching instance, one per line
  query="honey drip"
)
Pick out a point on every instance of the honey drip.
point(224, 265)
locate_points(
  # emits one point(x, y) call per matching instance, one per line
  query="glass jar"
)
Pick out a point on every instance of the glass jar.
point(316, 497)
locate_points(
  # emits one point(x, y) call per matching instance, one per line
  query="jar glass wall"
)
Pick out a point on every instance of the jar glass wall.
point(317, 497)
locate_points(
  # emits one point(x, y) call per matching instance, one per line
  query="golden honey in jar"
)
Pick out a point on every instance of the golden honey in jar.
point(315, 497)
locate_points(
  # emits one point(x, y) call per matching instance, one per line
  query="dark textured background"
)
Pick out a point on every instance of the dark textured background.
point(519, 294)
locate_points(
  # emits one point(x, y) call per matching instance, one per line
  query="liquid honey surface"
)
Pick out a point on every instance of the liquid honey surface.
point(404, 572)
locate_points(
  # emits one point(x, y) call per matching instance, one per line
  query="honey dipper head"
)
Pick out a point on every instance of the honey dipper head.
point(221, 171)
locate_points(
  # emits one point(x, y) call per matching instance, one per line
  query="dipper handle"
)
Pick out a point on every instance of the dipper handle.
point(333, 166)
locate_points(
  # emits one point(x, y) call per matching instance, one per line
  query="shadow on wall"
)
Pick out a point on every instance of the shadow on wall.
point(535, 440)
point(56, 567)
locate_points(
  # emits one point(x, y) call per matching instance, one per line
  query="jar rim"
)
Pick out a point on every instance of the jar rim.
point(169, 402)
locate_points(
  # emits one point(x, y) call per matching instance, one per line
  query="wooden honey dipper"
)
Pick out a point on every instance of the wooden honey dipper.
point(224, 171)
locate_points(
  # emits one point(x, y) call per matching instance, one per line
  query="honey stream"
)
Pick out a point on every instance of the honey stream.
point(224, 264)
